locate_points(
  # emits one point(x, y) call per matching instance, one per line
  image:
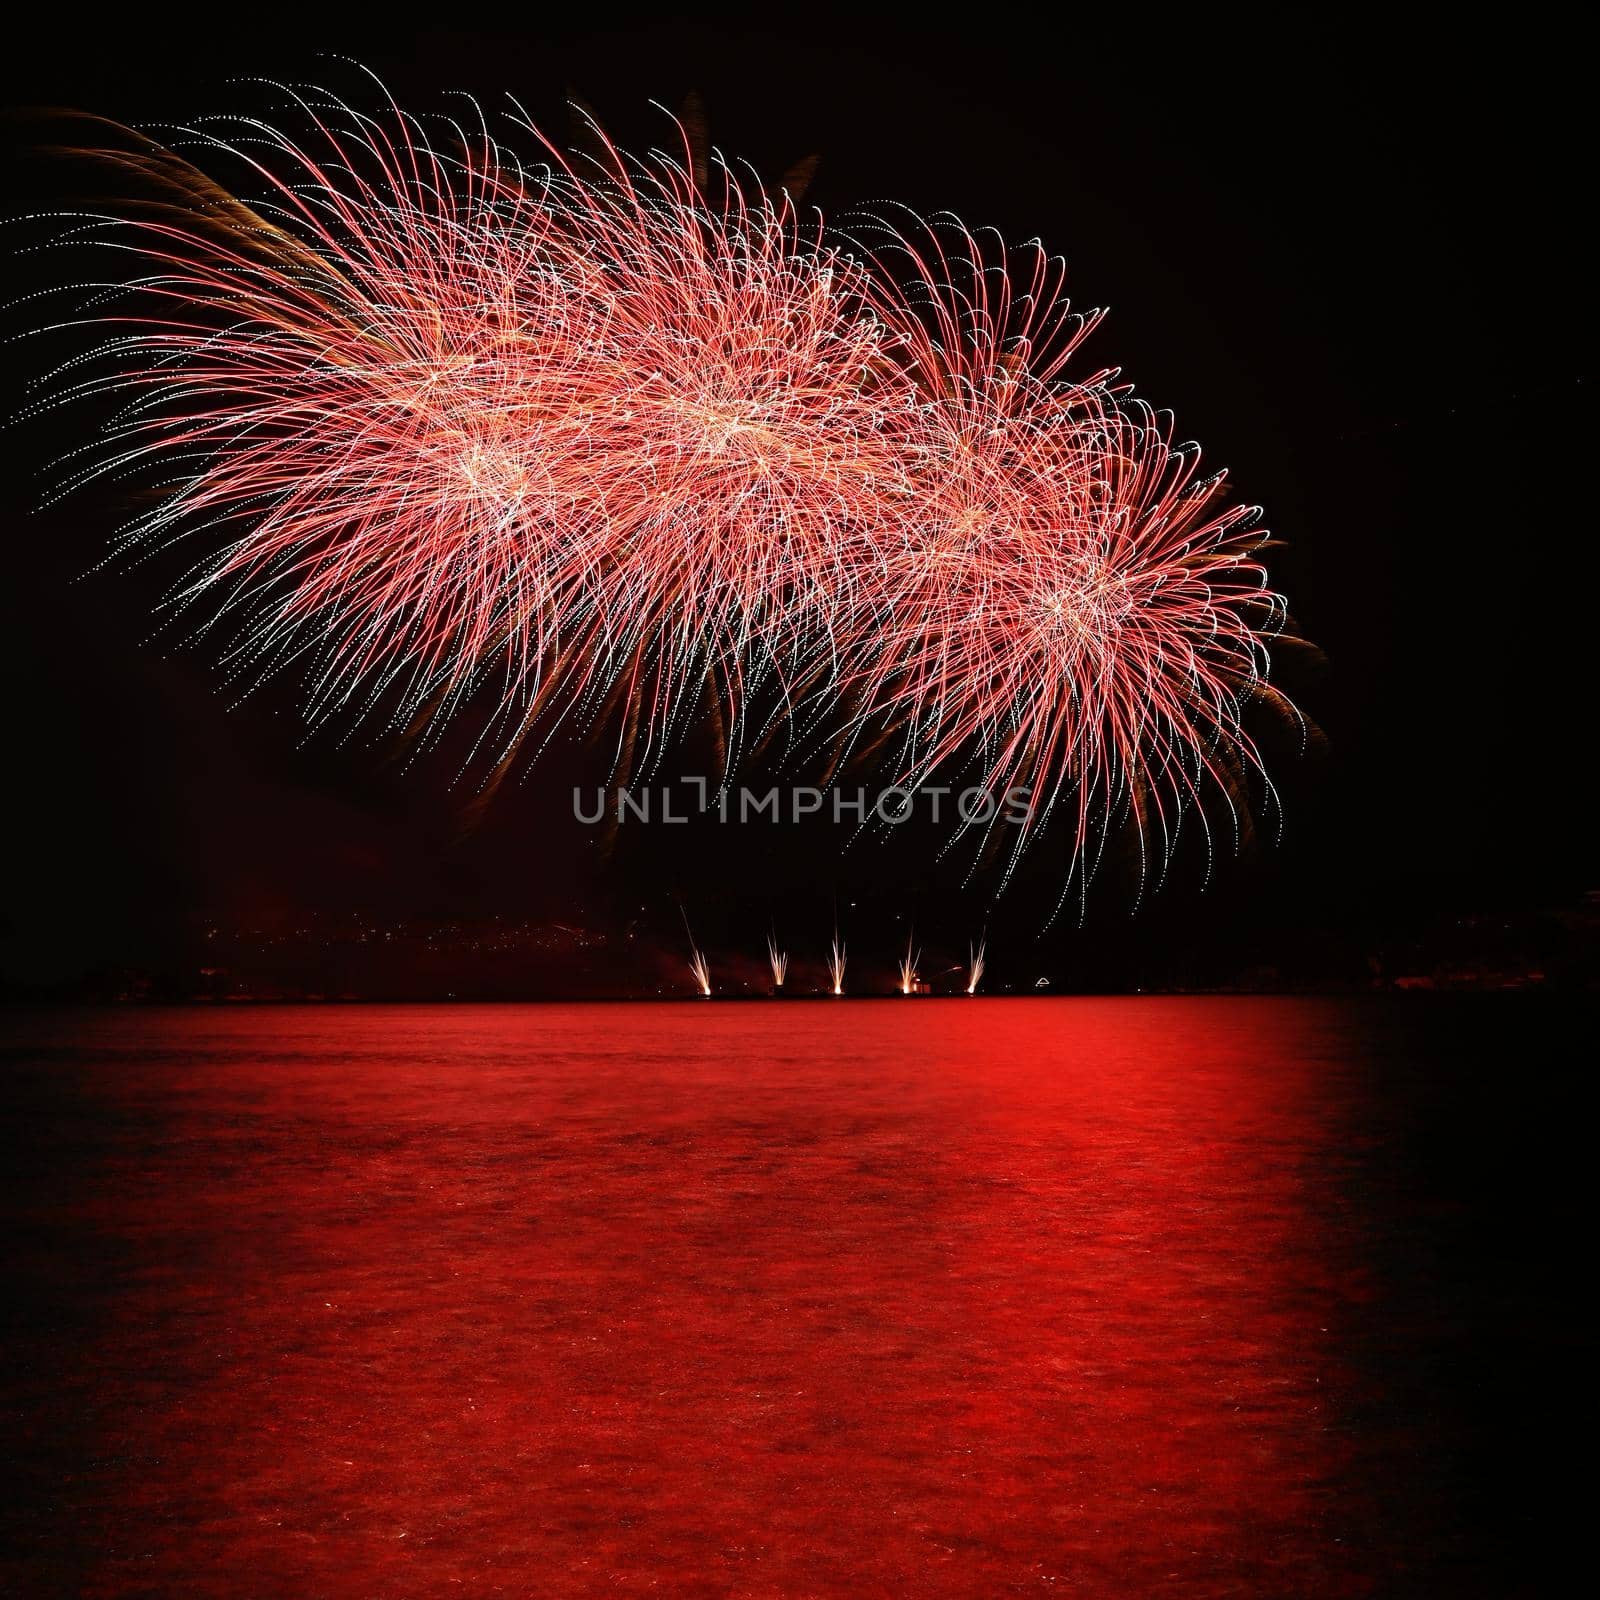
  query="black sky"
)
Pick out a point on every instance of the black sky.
point(1349, 261)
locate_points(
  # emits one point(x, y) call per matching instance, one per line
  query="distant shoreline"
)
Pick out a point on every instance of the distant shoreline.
point(286, 1002)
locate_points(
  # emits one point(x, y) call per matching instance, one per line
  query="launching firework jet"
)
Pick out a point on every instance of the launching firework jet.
point(698, 965)
point(836, 955)
point(908, 969)
point(974, 966)
point(777, 960)
point(701, 969)
point(451, 435)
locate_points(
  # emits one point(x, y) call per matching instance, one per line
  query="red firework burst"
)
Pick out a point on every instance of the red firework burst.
point(1071, 609)
point(448, 429)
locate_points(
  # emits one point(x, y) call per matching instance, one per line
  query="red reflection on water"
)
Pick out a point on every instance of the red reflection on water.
point(959, 1298)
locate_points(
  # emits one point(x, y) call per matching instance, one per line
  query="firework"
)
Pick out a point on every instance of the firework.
point(975, 966)
point(454, 427)
point(778, 960)
point(701, 968)
point(908, 969)
point(352, 364)
point(836, 960)
point(624, 442)
point(1075, 611)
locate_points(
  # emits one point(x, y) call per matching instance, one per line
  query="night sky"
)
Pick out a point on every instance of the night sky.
point(1351, 266)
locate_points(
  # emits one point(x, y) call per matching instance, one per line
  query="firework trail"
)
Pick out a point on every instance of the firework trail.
point(836, 961)
point(908, 969)
point(623, 441)
point(701, 969)
point(975, 966)
point(699, 966)
point(777, 960)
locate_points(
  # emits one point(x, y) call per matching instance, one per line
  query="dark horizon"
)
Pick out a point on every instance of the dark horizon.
point(356, 957)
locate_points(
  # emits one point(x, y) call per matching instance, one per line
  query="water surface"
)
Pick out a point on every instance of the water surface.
point(1190, 1296)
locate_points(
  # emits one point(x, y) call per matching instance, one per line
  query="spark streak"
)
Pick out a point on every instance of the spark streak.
point(701, 969)
point(698, 964)
point(908, 969)
point(777, 960)
point(975, 966)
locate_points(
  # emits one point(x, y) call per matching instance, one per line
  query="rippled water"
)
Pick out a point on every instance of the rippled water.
point(1190, 1296)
